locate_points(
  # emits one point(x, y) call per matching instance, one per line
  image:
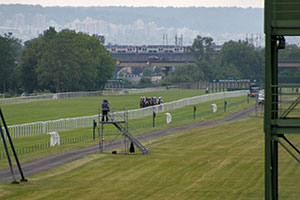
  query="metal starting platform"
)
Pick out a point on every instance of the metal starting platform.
point(128, 134)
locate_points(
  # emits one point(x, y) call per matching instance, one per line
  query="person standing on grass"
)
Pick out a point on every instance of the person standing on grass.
point(160, 100)
point(105, 109)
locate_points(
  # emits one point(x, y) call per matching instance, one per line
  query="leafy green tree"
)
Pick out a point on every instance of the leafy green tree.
point(145, 82)
point(242, 59)
point(230, 70)
point(290, 52)
point(157, 71)
point(9, 50)
point(29, 61)
point(236, 59)
point(31, 56)
point(186, 73)
point(127, 83)
point(106, 66)
point(66, 61)
point(202, 48)
point(147, 72)
point(209, 69)
point(203, 51)
point(204, 68)
point(58, 69)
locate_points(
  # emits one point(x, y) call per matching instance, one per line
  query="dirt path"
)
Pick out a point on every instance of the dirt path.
point(50, 162)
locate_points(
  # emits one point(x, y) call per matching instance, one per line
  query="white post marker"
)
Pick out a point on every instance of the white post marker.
point(214, 107)
point(169, 117)
point(161, 107)
point(54, 139)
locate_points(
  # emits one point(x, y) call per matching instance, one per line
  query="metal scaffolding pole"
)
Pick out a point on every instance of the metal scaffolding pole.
point(277, 25)
point(23, 179)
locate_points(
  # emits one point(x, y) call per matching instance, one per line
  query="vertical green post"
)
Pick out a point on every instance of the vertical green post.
point(268, 94)
point(154, 115)
point(195, 108)
point(273, 43)
point(94, 128)
point(267, 118)
point(247, 98)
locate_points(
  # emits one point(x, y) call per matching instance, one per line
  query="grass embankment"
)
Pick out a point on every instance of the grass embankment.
point(82, 106)
point(225, 161)
point(30, 148)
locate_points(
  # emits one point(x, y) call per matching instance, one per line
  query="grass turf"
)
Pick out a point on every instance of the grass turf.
point(82, 106)
point(222, 162)
point(31, 148)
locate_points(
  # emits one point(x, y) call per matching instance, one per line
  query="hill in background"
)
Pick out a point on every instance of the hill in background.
point(143, 25)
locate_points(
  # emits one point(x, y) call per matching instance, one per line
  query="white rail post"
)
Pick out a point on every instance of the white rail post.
point(44, 127)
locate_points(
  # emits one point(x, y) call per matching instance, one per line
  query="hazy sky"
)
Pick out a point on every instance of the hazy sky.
point(164, 3)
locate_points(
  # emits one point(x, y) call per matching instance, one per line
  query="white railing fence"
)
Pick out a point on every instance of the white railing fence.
point(77, 94)
point(132, 91)
point(143, 112)
point(48, 96)
point(35, 128)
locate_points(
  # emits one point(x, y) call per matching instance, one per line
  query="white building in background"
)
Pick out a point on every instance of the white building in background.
point(40, 21)
point(102, 27)
point(136, 33)
point(139, 24)
point(53, 23)
point(89, 25)
point(19, 20)
point(156, 79)
point(113, 30)
point(151, 29)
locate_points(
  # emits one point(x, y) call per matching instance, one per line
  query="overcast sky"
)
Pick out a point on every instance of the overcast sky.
point(159, 3)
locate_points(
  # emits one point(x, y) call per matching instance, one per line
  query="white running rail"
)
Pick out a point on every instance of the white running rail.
point(35, 128)
point(77, 94)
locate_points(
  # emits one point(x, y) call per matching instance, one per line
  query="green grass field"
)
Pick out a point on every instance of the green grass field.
point(222, 162)
point(82, 106)
point(183, 116)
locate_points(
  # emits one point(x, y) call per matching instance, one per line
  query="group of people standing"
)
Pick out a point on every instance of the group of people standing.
point(144, 102)
point(148, 101)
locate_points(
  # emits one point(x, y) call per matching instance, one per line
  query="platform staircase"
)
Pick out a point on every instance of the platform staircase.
point(127, 131)
point(134, 140)
point(290, 108)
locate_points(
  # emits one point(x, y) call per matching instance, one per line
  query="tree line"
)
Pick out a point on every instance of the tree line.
point(10, 49)
point(234, 60)
point(62, 61)
point(67, 61)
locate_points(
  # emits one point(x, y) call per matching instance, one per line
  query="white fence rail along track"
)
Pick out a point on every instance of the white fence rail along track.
point(36, 128)
point(77, 94)
point(48, 96)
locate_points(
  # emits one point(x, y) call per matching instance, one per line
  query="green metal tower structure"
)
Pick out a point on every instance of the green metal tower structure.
point(282, 18)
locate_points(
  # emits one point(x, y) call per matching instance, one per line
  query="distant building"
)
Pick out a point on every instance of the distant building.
point(18, 20)
point(156, 79)
point(40, 21)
